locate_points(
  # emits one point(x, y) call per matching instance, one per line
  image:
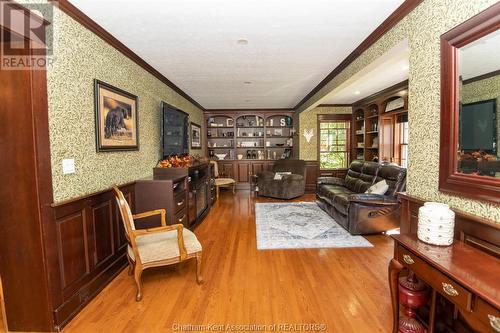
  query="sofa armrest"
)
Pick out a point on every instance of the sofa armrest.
point(330, 181)
point(373, 199)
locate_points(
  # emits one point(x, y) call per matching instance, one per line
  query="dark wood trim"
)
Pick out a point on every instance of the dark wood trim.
point(326, 117)
point(481, 77)
point(90, 24)
point(450, 180)
point(334, 105)
point(387, 91)
point(27, 283)
point(387, 25)
point(248, 110)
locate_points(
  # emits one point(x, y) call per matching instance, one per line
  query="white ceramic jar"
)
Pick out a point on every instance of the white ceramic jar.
point(436, 224)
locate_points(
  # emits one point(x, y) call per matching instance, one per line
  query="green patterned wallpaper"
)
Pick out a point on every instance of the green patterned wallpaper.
point(423, 28)
point(483, 90)
point(80, 57)
point(309, 120)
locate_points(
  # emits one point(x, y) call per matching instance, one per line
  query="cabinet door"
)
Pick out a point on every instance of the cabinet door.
point(257, 167)
point(243, 172)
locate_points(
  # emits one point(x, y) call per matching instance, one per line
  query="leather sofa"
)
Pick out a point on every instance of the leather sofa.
point(358, 212)
point(289, 186)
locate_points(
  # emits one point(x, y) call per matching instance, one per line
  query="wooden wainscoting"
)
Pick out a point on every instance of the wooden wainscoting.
point(312, 174)
point(91, 245)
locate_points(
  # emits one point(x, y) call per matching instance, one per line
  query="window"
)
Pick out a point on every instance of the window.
point(403, 143)
point(334, 144)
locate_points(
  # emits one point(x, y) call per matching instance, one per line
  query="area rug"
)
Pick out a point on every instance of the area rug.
point(297, 225)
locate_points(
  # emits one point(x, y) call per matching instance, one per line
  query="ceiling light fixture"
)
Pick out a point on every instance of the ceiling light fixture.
point(357, 92)
point(242, 41)
point(247, 82)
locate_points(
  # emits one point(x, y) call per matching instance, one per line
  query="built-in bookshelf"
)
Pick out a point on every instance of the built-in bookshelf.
point(374, 132)
point(250, 137)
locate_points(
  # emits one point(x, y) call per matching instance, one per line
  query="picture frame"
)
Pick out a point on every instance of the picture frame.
point(229, 122)
point(116, 118)
point(195, 136)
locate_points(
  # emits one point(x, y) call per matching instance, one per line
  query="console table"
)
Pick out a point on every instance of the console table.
point(461, 282)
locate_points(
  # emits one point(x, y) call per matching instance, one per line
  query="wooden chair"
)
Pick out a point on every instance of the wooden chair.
point(160, 246)
point(221, 180)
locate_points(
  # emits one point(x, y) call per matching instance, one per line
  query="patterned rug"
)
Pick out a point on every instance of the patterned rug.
point(298, 225)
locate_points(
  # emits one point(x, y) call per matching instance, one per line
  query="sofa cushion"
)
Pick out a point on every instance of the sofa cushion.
point(341, 202)
point(353, 175)
point(328, 192)
point(394, 176)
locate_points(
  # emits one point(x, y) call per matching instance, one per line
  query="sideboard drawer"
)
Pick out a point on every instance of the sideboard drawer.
point(180, 201)
point(488, 315)
point(181, 217)
point(440, 282)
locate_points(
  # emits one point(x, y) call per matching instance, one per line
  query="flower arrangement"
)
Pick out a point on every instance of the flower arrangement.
point(176, 162)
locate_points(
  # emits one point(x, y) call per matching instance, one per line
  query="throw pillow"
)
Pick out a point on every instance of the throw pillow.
point(279, 175)
point(378, 188)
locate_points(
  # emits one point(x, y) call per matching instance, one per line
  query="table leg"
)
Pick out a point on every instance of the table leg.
point(394, 269)
point(217, 192)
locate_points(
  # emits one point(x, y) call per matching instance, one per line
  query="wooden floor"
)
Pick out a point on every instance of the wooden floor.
point(345, 290)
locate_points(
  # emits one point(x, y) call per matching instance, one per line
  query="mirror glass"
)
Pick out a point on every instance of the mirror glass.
point(479, 96)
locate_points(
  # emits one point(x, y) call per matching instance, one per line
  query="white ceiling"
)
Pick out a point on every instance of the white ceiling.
point(481, 56)
point(292, 44)
point(388, 70)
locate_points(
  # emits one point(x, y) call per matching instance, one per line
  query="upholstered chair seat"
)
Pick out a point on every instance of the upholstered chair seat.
point(163, 246)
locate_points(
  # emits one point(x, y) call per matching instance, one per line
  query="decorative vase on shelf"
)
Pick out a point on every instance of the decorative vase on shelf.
point(436, 224)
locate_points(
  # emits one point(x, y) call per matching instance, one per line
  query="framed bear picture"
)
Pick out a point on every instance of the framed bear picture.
point(116, 118)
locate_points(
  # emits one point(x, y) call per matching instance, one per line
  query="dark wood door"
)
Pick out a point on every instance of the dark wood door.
point(25, 197)
point(387, 138)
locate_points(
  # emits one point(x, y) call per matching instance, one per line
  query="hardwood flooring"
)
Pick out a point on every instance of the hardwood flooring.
point(346, 290)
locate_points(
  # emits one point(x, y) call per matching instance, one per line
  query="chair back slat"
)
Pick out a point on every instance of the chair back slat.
point(125, 213)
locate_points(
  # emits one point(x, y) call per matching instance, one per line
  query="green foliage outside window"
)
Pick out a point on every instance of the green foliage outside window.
point(334, 149)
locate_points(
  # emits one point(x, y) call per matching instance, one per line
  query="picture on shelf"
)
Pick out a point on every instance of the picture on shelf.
point(195, 136)
point(278, 132)
point(229, 122)
point(116, 118)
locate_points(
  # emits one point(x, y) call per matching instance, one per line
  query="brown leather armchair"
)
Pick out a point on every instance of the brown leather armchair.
point(358, 212)
point(289, 186)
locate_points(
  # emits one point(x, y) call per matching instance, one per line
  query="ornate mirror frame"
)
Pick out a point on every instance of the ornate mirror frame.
point(450, 180)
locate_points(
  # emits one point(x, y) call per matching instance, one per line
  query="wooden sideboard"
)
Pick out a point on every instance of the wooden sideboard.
point(462, 280)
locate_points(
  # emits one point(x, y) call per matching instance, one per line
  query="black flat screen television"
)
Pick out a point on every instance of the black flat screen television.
point(478, 126)
point(175, 131)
